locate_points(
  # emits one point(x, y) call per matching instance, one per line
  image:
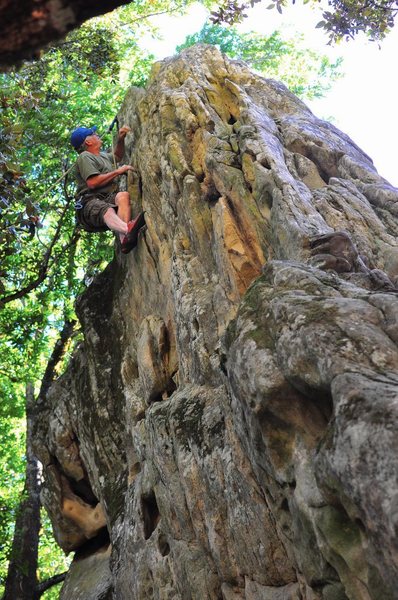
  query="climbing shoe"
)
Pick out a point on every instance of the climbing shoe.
point(130, 239)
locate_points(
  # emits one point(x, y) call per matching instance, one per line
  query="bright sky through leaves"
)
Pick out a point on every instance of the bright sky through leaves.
point(362, 104)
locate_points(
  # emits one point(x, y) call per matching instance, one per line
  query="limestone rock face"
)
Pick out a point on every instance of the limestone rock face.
point(227, 430)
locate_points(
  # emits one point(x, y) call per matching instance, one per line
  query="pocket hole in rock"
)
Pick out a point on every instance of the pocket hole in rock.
point(150, 514)
point(101, 540)
point(164, 547)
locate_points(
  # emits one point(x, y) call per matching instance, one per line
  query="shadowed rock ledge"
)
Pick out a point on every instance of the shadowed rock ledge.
point(227, 430)
point(27, 26)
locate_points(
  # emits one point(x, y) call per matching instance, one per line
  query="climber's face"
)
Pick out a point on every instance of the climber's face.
point(93, 142)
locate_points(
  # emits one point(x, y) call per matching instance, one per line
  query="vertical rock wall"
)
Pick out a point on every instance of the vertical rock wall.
point(227, 430)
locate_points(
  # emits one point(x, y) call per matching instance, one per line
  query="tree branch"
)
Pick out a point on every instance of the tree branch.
point(48, 260)
point(13, 378)
point(57, 353)
point(156, 14)
point(45, 585)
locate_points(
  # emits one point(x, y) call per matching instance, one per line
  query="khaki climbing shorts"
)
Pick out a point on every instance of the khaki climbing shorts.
point(90, 210)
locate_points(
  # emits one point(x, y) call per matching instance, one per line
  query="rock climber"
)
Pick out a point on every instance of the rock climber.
point(99, 206)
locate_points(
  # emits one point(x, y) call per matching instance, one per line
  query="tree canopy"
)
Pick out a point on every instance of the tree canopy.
point(342, 19)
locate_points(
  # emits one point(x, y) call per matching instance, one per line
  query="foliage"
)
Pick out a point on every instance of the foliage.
point(12, 433)
point(304, 71)
point(53, 593)
point(51, 557)
point(348, 18)
point(344, 19)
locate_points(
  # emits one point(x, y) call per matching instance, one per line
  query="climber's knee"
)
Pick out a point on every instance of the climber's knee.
point(122, 199)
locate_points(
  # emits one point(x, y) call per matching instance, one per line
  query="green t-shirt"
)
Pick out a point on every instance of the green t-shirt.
point(89, 164)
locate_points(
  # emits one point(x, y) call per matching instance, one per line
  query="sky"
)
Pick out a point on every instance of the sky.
point(363, 104)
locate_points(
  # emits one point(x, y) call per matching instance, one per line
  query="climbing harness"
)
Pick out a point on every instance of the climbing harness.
point(79, 203)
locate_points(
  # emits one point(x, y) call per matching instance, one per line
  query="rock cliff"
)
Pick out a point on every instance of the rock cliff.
point(227, 430)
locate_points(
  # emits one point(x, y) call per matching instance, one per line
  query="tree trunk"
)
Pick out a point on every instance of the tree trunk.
point(21, 578)
point(21, 582)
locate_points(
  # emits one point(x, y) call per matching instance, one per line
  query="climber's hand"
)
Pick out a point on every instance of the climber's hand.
point(123, 131)
point(124, 169)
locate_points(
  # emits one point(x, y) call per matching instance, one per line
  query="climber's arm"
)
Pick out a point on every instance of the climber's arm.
point(96, 181)
point(119, 149)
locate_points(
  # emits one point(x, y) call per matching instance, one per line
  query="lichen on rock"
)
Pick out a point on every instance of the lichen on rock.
point(230, 417)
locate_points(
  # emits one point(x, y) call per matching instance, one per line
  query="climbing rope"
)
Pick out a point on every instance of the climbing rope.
point(109, 130)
